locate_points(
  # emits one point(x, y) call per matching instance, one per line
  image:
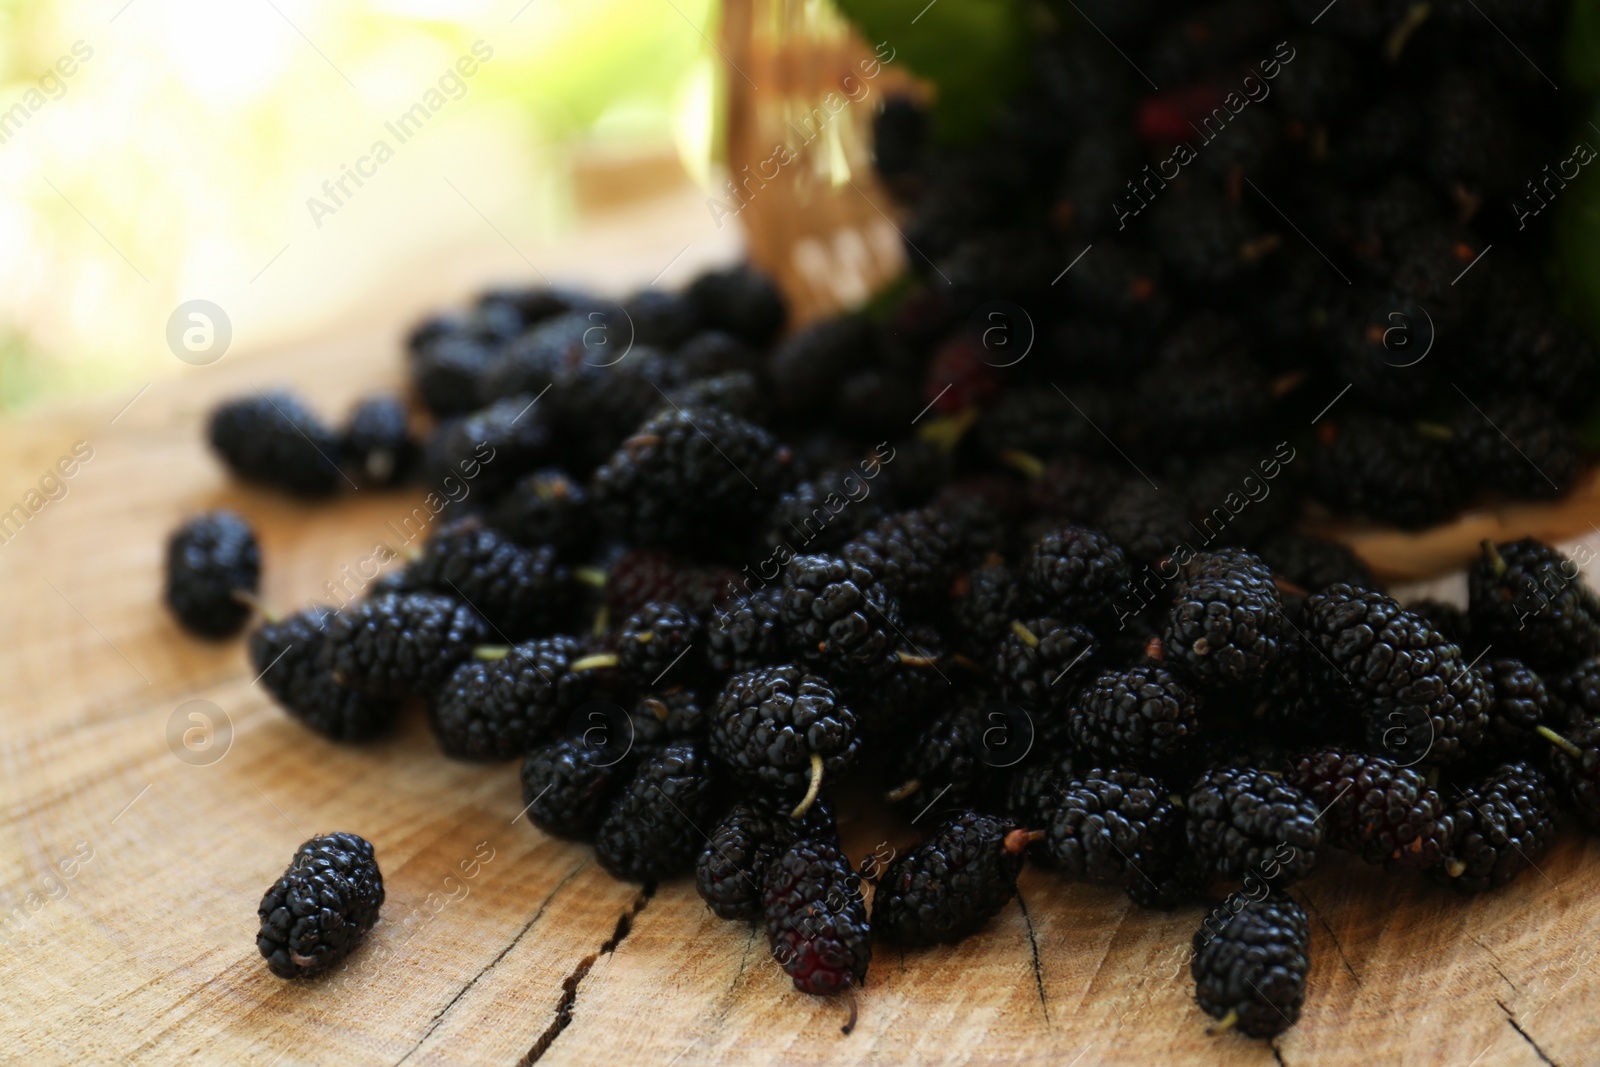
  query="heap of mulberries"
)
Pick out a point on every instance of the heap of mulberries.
point(1018, 549)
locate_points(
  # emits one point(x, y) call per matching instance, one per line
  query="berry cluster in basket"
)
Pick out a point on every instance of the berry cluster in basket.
point(696, 573)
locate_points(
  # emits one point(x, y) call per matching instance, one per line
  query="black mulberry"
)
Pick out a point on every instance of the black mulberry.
point(952, 883)
point(319, 909)
point(213, 571)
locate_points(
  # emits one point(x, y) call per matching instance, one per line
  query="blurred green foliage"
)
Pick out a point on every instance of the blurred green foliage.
point(975, 52)
point(1577, 223)
point(179, 159)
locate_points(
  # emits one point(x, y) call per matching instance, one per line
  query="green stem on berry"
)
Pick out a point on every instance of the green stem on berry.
point(657, 708)
point(1497, 562)
point(591, 576)
point(1029, 466)
point(1224, 1024)
point(644, 637)
point(1436, 431)
point(491, 652)
point(602, 621)
point(1455, 868)
point(811, 790)
point(946, 431)
point(915, 661)
point(250, 600)
point(900, 792)
point(1560, 742)
point(1414, 17)
point(596, 662)
point(1029, 638)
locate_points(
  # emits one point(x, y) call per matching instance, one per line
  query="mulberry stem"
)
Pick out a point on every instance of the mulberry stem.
point(1019, 839)
point(850, 1023)
point(1497, 562)
point(900, 792)
point(1029, 638)
point(813, 789)
point(1560, 742)
point(1225, 1024)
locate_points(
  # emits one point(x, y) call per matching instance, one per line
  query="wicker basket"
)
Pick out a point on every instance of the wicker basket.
point(801, 89)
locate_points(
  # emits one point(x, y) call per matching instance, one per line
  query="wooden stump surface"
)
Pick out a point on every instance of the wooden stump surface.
point(130, 878)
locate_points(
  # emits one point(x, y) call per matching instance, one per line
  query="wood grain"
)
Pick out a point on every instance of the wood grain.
point(145, 953)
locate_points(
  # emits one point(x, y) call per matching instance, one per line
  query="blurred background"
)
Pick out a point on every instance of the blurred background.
point(158, 151)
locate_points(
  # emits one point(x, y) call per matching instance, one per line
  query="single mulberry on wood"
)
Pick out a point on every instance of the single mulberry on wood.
point(501, 706)
point(522, 592)
point(1245, 821)
point(952, 883)
point(1226, 628)
point(319, 909)
point(213, 572)
point(568, 784)
point(1386, 812)
point(652, 830)
point(731, 873)
point(1110, 826)
point(1421, 701)
point(783, 731)
point(401, 644)
point(275, 440)
point(287, 659)
point(817, 920)
point(1250, 967)
point(1501, 825)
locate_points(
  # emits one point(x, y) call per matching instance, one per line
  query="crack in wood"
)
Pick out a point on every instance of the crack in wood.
point(438, 1016)
point(1337, 945)
point(728, 1002)
point(569, 986)
point(1033, 944)
point(1537, 1051)
point(1494, 962)
point(1277, 1053)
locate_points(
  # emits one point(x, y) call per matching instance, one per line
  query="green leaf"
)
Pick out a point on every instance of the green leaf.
point(975, 52)
point(1580, 47)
